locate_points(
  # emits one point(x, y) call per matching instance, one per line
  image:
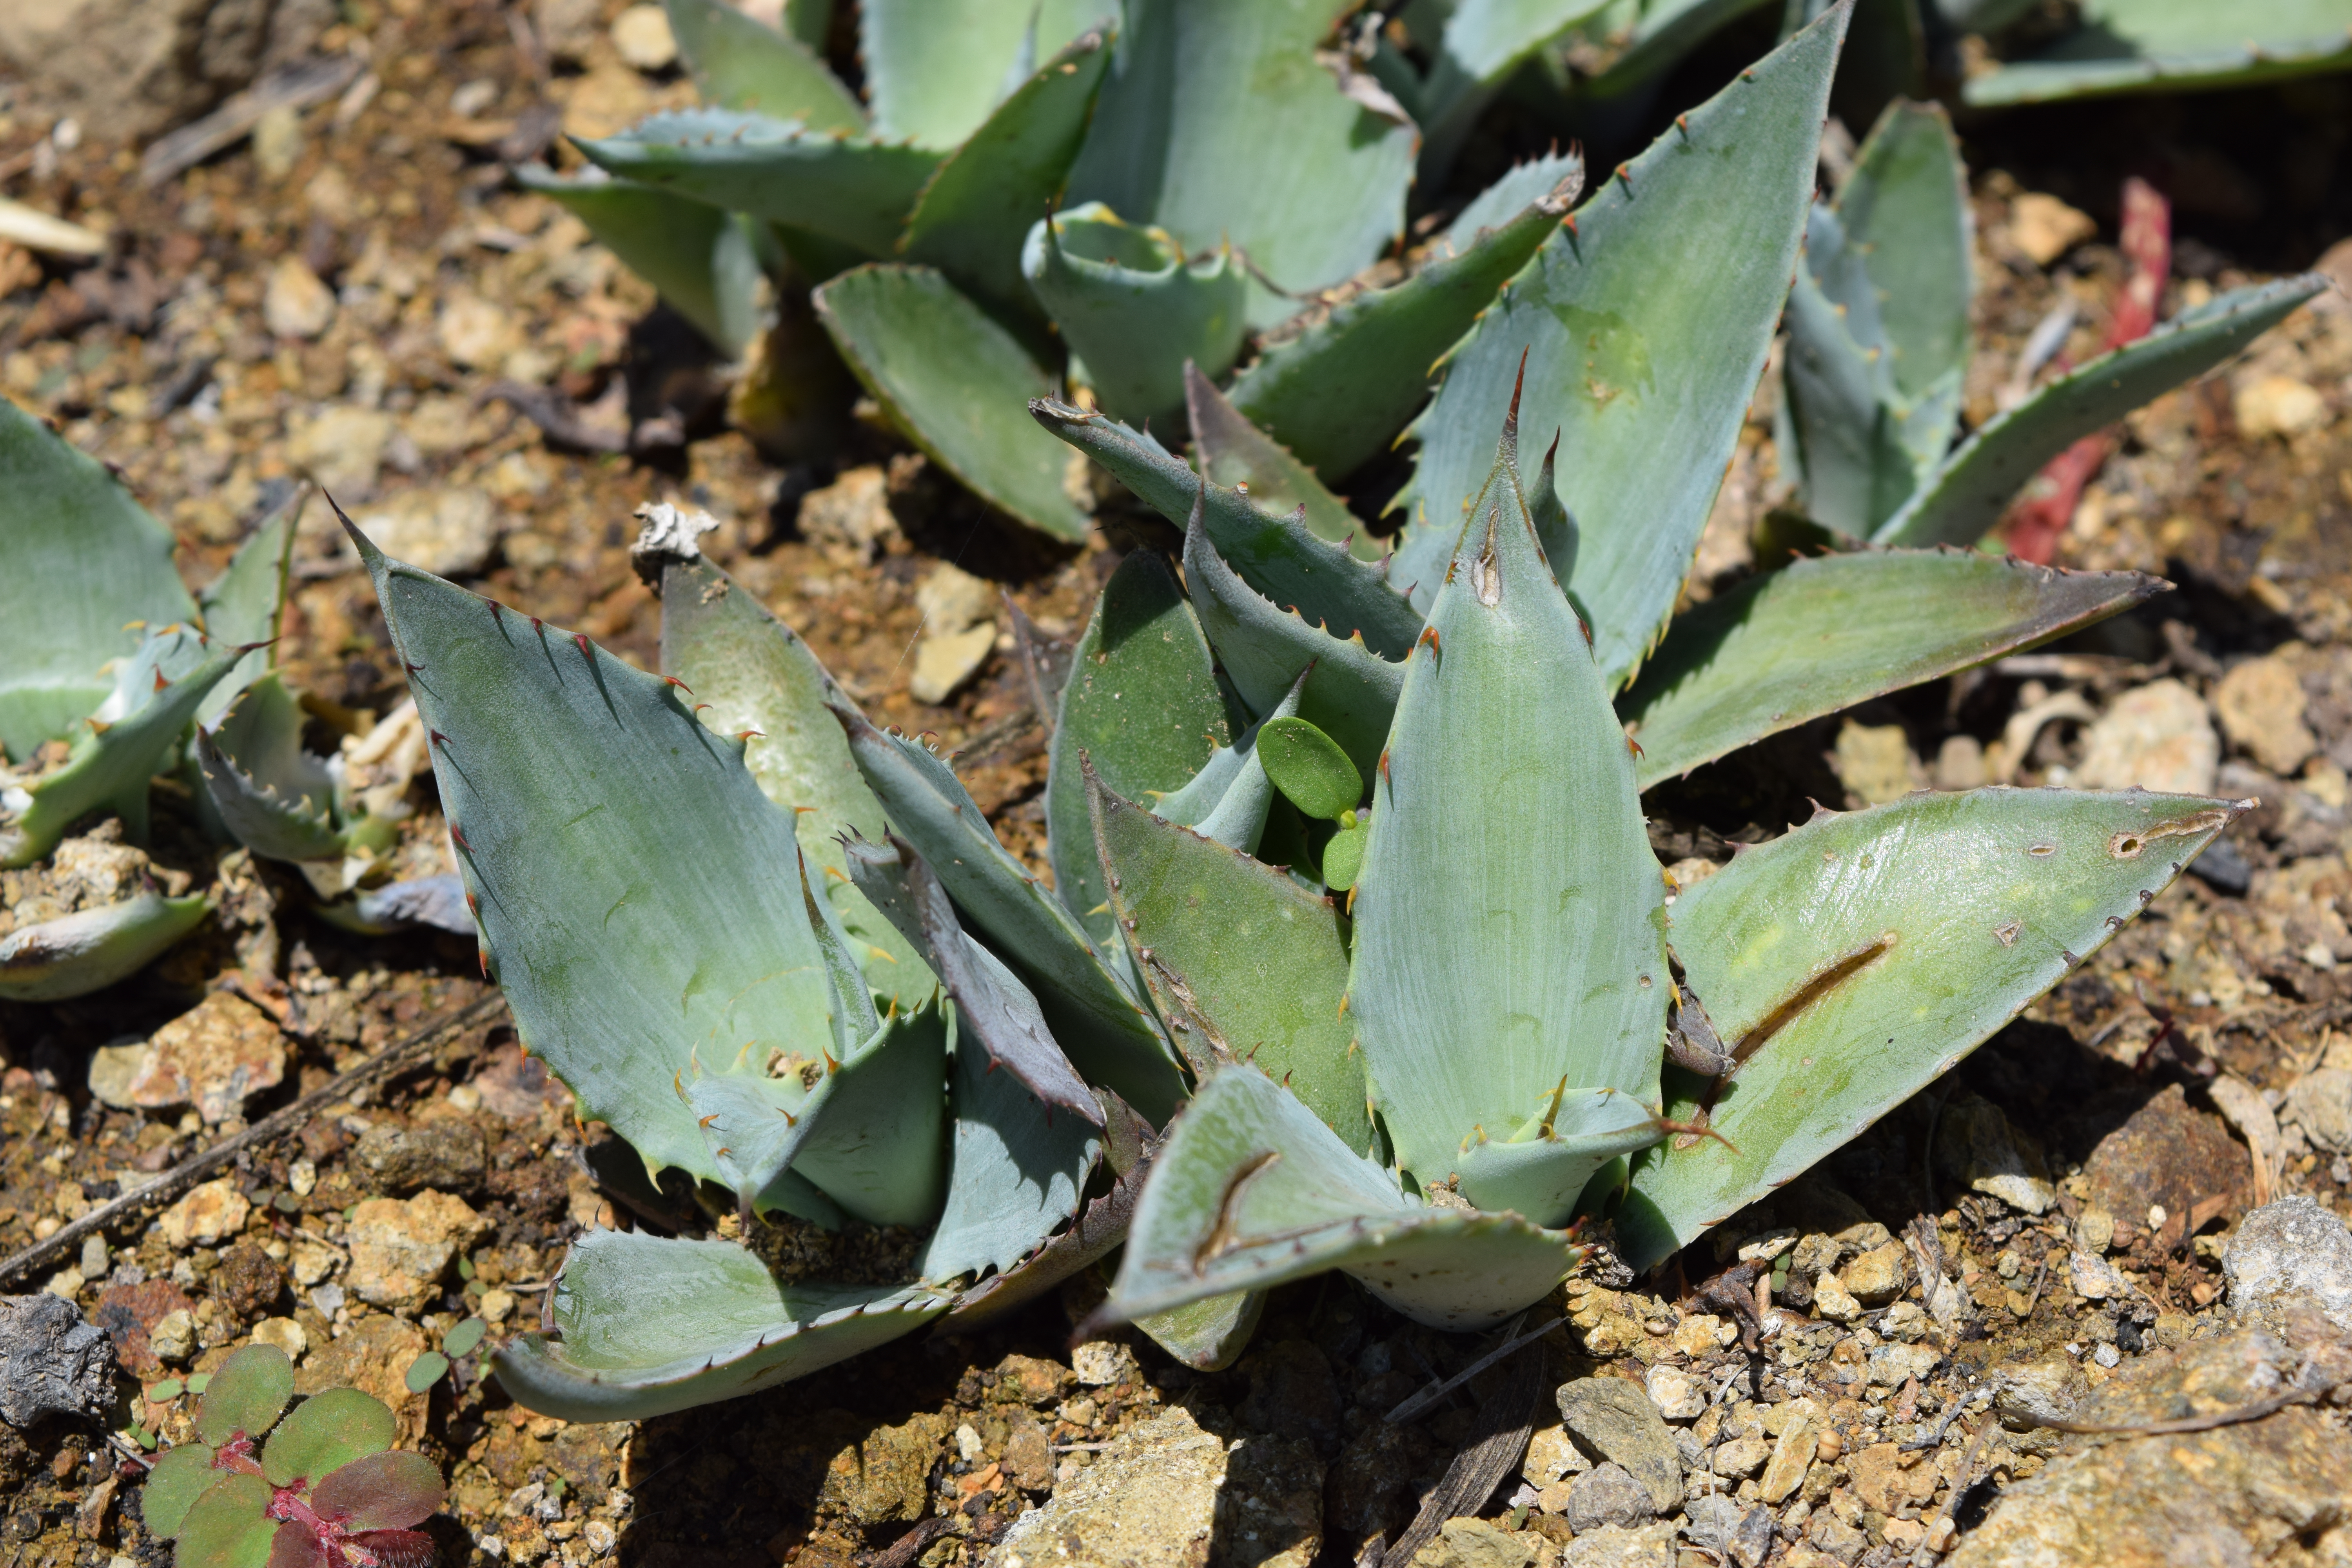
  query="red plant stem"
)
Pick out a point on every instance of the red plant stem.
point(2041, 516)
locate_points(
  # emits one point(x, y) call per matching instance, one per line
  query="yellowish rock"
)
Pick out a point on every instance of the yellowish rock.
point(207, 1214)
point(951, 599)
point(342, 449)
point(285, 1333)
point(295, 304)
point(1874, 762)
point(401, 1249)
point(1702, 1333)
point(642, 35)
point(2278, 406)
point(2046, 229)
point(475, 334)
point(1876, 1277)
point(2260, 705)
point(942, 664)
point(211, 1058)
point(2156, 737)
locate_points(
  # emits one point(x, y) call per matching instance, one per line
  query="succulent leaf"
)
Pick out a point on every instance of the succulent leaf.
point(739, 63)
point(110, 767)
point(326, 1432)
point(1905, 210)
point(698, 257)
point(1664, 33)
point(380, 1491)
point(1510, 972)
point(1220, 124)
point(1133, 309)
point(1015, 1172)
point(1088, 1007)
point(1308, 767)
point(1967, 497)
point(245, 604)
point(1142, 702)
point(1509, 195)
point(275, 797)
point(1274, 554)
point(248, 1394)
point(844, 188)
point(1341, 390)
point(182, 1475)
point(1233, 452)
point(2138, 46)
point(1349, 691)
point(757, 674)
point(1483, 42)
point(1645, 329)
point(228, 1527)
point(1853, 960)
point(639, 895)
point(955, 382)
point(993, 1009)
point(1245, 964)
point(1824, 634)
point(1847, 420)
point(1251, 1190)
point(76, 954)
point(1230, 798)
point(1208, 1335)
point(936, 73)
point(978, 208)
point(652, 1325)
point(81, 559)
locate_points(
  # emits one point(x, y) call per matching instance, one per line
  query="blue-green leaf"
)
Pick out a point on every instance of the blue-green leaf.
point(74, 954)
point(1015, 1172)
point(739, 63)
point(1234, 452)
point(1133, 308)
point(698, 257)
point(2140, 46)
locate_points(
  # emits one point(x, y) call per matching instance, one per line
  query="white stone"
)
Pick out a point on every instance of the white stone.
point(2156, 737)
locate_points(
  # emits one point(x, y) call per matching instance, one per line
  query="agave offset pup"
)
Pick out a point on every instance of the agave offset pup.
point(111, 672)
point(322, 1488)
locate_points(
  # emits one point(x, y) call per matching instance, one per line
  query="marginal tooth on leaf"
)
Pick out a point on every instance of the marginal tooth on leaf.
point(482, 956)
point(1634, 747)
point(748, 734)
point(457, 836)
point(537, 625)
point(582, 638)
point(706, 1121)
point(681, 684)
point(160, 681)
point(438, 739)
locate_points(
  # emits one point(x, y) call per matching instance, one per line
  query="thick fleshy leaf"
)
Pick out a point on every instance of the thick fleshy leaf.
point(1229, 799)
point(381, 1492)
point(79, 558)
point(1661, 34)
point(1904, 209)
point(245, 607)
point(275, 797)
point(1246, 965)
point(1251, 1191)
point(757, 674)
point(1341, 390)
point(111, 767)
point(995, 1011)
point(1509, 945)
point(1849, 962)
point(182, 1475)
point(326, 1432)
point(1274, 553)
point(1824, 634)
point(1099, 1024)
point(1483, 42)
point(1350, 690)
point(639, 897)
point(846, 188)
point(866, 1133)
point(2142, 45)
point(1207, 1335)
point(1220, 124)
point(1509, 195)
point(739, 63)
point(1645, 329)
point(76, 954)
point(1234, 453)
point(1841, 406)
point(1967, 498)
point(1308, 767)
point(248, 1394)
point(935, 72)
point(1133, 309)
point(1015, 1172)
point(652, 1325)
point(228, 1527)
point(1099, 1226)
point(1142, 702)
point(955, 382)
point(698, 257)
point(437, 901)
point(979, 207)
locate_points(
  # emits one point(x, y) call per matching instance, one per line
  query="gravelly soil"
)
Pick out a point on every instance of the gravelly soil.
point(444, 280)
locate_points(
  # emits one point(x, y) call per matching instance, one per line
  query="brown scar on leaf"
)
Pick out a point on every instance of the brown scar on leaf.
point(1812, 990)
point(2127, 845)
point(1221, 1237)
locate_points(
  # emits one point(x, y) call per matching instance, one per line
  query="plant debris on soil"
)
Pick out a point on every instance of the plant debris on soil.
point(1920, 1342)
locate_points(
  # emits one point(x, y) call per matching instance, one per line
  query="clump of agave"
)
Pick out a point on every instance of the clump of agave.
point(111, 672)
point(1349, 875)
point(322, 1487)
point(1879, 346)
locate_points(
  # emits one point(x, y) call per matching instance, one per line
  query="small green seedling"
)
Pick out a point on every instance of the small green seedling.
point(322, 1488)
point(1315, 776)
point(459, 1343)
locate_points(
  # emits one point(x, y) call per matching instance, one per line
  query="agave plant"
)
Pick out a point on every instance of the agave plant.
point(2159, 46)
point(110, 672)
point(1218, 165)
point(322, 1487)
point(1879, 346)
point(631, 844)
